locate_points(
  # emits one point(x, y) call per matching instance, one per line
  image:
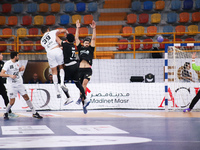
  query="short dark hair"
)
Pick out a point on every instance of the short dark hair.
point(186, 64)
point(13, 54)
point(87, 39)
point(70, 38)
point(44, 29)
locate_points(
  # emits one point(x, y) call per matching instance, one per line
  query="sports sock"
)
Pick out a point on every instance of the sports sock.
point(30, 105)
point(8, 107)
point(62, 76)
point(55, 82)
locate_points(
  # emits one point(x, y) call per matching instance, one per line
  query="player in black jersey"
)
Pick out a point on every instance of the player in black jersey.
point(86, 53)
point(72, 66)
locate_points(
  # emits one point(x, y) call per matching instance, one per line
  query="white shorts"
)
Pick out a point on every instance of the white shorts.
point(14, 89)
point(55, 57)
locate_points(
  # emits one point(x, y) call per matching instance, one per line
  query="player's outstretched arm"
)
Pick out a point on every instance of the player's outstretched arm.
point(93, 26)
point(61, 31)
point(77, 32)
point(194, 66)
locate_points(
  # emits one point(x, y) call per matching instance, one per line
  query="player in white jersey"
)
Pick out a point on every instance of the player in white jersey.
point(54, 56)
point(11, 70)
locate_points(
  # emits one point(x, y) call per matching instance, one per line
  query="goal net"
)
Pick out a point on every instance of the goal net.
point(183, 81)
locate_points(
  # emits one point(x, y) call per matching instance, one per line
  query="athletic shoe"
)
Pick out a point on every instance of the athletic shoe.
point(86, 103)
point(12, 115)
point(68, 101)
point(187, 110)
point(58, 96)
point(36, 115)
point(5, 116)
point(78, 102)
point(64, 88)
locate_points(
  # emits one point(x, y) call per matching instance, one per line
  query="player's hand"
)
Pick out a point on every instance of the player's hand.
point(93, 25)
point(22, 68)
point(13, 76)
point(194, 55)
point(78, 24)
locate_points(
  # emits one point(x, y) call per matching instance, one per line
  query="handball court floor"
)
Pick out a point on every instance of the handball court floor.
point(102, 130)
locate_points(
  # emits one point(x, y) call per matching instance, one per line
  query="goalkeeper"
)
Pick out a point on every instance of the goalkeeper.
point(197, 97)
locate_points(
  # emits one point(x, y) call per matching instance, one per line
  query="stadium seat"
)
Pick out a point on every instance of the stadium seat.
point(192, 29)
point(155, 18)
point(33, 31)
point(180, 28)
point(92, 7)
point(32, 8)
point(76, 17)
point(71, 30)
point(139, 31)
point(38, 47)
point(126, 30)
point(18, 8)
point(3, 48)
point(2, 20)
point(80, 7)
point(148, 5)
point(14, 46)
point(6, 8)
point(55, 7)
point(175, 5)
point(152, 30)
point(43, 7)
point(82, 31)
point(87, 19)
point(122, 46)
point(26, 20)
point(50, 20)
point(147, 46)
point(159, 5)
point(189, 40)
point(27, 48)
point(6, 31)
point(21, 31)
point(143, 18)
point(167, 28)
point(12, 21)
point(184, 17)
point(162, 45)
point(178, 40)
point(131, 18)
point(197, 4)
point(187, 4)
point(64, 20)
point(69, 8)
point(136, 6)
point(137, 46)
point(172, 17)
point(38, 20)
point(196, 17)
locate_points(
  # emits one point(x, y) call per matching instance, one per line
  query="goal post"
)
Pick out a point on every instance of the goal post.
point(177, 84)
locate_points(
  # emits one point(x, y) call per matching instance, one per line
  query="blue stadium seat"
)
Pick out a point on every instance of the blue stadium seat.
point(136, 6)
point(167, 29)
point(64, 20)
point(92, 7)
point(69, 7)
point(172, 17)
point(197, 4)
point(32, 8)
point(187, 4)
point(148, 5)
point(175, 4)
point(80, 7)
point(18, 8)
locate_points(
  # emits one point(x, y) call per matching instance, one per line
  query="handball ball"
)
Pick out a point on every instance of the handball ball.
point(160, 38)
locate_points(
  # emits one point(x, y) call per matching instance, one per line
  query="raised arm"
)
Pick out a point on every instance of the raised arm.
point(77, 32)
point(194, 66)
point(61, 31)
point(93, 26)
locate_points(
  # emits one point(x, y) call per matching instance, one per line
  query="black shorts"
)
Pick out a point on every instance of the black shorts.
point(71, 72)
point(85, 73)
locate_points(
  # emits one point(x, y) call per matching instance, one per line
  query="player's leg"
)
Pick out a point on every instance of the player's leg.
point(4, 95)
point(55, 80)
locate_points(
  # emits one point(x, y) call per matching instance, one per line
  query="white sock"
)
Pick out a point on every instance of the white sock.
point(62, 76)
point(30, 105)
point(8, 107)
point(55, 82)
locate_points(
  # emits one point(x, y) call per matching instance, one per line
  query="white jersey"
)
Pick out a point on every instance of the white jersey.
point(13, 69)
point(48, 41)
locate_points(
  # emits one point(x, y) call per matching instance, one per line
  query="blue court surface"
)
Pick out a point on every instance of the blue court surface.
point(102, 130)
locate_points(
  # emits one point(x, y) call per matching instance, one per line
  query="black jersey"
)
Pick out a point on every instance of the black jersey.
point(68, 52)
point(1, 66)
point(85, 53)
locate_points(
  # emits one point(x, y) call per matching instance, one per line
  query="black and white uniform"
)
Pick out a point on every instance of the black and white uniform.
point(85, 53)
